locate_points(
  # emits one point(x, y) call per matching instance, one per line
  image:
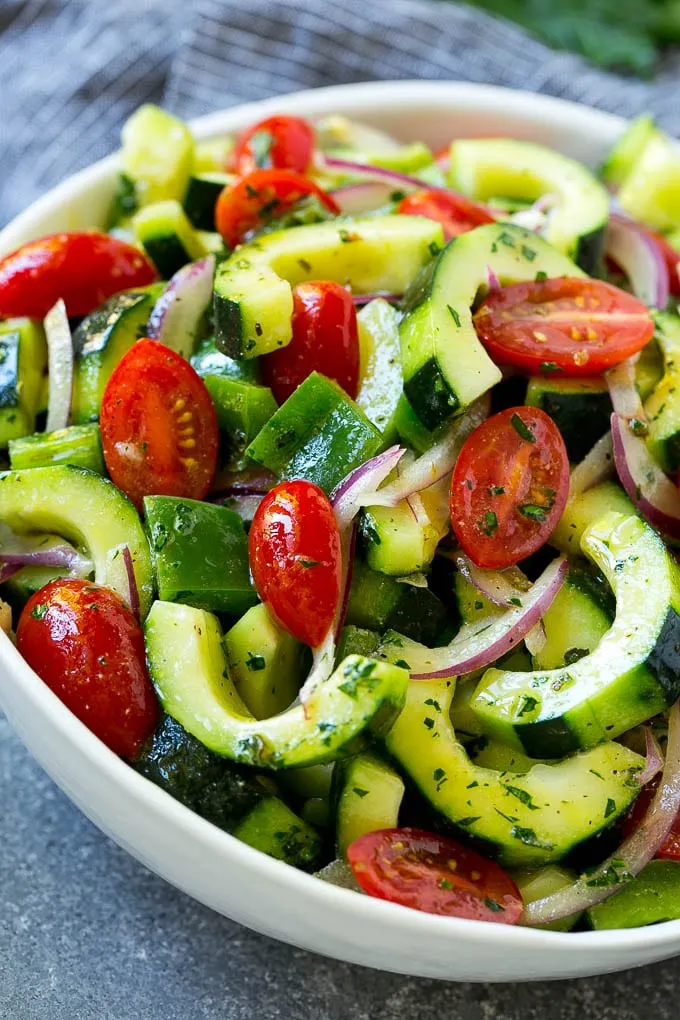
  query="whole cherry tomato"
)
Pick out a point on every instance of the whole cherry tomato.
point(82, 268)
point(509, 487)
point(567, 326)
point(456, 213)
point(433, 873)
point(86, 644)
point(259, 196)
point(325, 339)
point(295, 559)
point(281, 142)
point(158, 425)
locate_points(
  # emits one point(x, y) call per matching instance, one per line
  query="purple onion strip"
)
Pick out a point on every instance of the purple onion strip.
point(176, 317)
point(133, 597)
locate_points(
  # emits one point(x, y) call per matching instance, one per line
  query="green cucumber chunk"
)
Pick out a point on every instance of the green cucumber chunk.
point(77, 445)
point(650, 898)
point(650, 190)
point(89, 511)
point(200, 554)
point(369, 797)
point(157, 154)
point(582, 510)
point(23, 367)
point(445, 366)
point(208, 360)
point(167, 236)
point(380, 603)
point(356, 641)
point(630, 676)
point(381, 384)
point(101, 340)
point(212, 155)
point(188, 666)
point(530, 818)
point(410, 428)
point(265, 662)
point(203, 190)
point(574, 624)
point(243, 408)
point(274, 829)
point(625, 152)
point(318, 434)
point(483, 167)
point(663, 406)
point(397, 543)
point(535, 885)
point(253, 298)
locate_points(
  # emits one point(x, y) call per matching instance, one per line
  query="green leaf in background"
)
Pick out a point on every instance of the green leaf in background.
point(622, 35)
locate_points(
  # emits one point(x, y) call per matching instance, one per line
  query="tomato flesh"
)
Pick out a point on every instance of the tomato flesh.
point(295, 559)
point(435, 874)
point(82, 268)
point(259, 196)
point(567, 326)
point(456, 213)
point(509, 487)
point(282, 142)
point(325, 339)
point(158, 425)
point(670, 849)
point(86, 644)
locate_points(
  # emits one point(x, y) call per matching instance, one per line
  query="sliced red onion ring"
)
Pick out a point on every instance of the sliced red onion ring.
point(176, 317)
point(364, 299)
point(536, 638)
point(60, 367)
point(27, 551)
point(498, 586)
point(633, 854)
point(641, 259)
point(133, 593)
point(653, 758)
point(353, 199)
point(653, 493)
point(595, 467)
point(492, 280)
point(7, 571)
point(479, 644)
point(347, 497)
point(623, 392)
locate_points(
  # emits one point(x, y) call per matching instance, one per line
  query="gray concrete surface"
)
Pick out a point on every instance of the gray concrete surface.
point(86, 933)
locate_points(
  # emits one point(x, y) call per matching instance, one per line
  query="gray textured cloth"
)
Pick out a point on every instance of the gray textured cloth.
point(72, 70)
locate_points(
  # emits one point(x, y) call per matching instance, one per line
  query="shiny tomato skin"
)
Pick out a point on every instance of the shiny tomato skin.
point(671, 257)
point(509, 487)
point(86, 644)
point(288, 145)
point(325, 339)
point(456, 213)
point(158, 425)
point(83, 268)
point(670, 849)
point(567, 326)
point(295, 559)
point(435, 874)
point(243, 205)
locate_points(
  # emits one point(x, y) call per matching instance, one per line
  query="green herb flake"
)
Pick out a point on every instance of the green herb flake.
point(454, 315)
point(489, 523)
point(550, 368)
point(434, 249)
point(522, 429)
point(434, 703)
point(444, 883)
point(496, 490)
point(403, 664)
point(39, 611)
point(523, 796)
point(359, 792)
point(428, 722)
point(309, 563)
point(610, 808)
point(528, 837)
point(514, 601)
point(528, 705)
point(471, 786)
point(573, 655)
point(470, 820)
point(255, 663)
point(541, 275)
point(507, 239)
point(493, 905)
point(528, 253)
point(533, 511)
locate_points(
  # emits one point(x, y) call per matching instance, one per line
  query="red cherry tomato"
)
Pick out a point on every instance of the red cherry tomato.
point(325, 339)
point(242, 206)
point(82, 268)
point(433, 873)
point(671, 258)
point(86, 644)
point(158, 425)
point(670, 849)
point(283, 142)
point(456, 213)
point(295, 559)
point(568, 326)
point(509, 487)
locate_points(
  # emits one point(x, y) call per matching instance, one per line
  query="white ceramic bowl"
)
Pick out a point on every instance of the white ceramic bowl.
point(215, 868)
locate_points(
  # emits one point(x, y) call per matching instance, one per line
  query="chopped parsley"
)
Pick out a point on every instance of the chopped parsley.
point(454, 315)
point(489, 523)
point(533, 511)
point(522, 429)
point(255, 663)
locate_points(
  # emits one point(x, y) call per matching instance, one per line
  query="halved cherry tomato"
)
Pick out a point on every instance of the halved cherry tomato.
point(158, 425)
point(433, 873)
point(567, 326)
point(82, 268)
point(295, 559)
point(509, 487)
point(670, 849)
point(456, 213)
point(283, 142)
point(325, 339)
point(242, 206)
point(87, 645)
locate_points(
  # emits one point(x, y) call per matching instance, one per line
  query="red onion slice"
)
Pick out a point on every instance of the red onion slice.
point(623, 391)
point(595, 467)
point(347, 497)
point(535, 217)
point(652, 492)
point(633, 854)
point(536, 638)
point(28, 551)
point(498, 586)
point(653, 758)
point(479, 644)
point(353, 199)
point(60, 367)
point(364, 299)
point(133, 593)
point(641, 259)
point(176, 317)
point(7, 571)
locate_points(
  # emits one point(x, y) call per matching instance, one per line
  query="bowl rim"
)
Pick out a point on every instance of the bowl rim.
point(146, 795)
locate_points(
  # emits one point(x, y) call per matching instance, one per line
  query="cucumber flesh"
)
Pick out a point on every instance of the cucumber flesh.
point(265, 662)
point(663, 406)
point(370, 795)
point(77, 445)
point(157, 155)
point(382, 381)
point(23, 368)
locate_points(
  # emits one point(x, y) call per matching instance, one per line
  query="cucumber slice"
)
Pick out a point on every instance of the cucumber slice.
point(381, 385)
point(253, 299)
point(78, 445)
point(651, 898)
point(208, 360)
point(445, 366)
point(274, 829)
point(23, 366)
point(580, 408)
point(663, 406)
point(380, 603)
point(532, 818)
point(168, 237)
point(369, 798)
point(626, 151)
point(574, 624)
point(650, 192)
point(398, 544)
point(189, 669)
point(157, 154)
point(201, 198)
point(632, 674)
point(243, 408)
point(212, 155)
point(534, 885)
point(582, 510)
point(483, 167)
point(89, 511)
point(410, 428)
point(265, 662)
point(356, 641)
